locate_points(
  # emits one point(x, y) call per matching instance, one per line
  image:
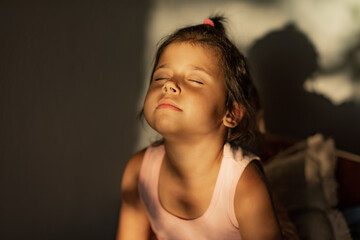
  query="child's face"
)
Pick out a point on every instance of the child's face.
point(187, 96)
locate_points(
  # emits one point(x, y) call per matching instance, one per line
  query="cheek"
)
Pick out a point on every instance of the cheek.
point(210, 107)
point(148, 104)
point(219, 101)
point(214, 101)
point(152, 97)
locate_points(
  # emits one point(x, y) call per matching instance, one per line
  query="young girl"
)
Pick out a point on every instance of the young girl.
point(199, 182)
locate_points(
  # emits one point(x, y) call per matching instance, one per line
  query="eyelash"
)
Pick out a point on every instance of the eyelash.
point(158, 79)
point(191, 80)
point(195, 81)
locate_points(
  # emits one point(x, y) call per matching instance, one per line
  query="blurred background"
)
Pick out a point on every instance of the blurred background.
point(73, 76)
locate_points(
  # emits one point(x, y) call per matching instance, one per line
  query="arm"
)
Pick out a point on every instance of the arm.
point(253, 207)
point(133, 221)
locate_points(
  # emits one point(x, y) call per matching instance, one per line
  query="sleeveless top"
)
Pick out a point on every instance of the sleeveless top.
point(218, 221)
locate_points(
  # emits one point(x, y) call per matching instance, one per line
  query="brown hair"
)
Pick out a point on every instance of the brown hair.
point(240, 89)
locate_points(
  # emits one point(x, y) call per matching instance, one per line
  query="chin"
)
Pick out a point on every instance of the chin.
point(162, 121)
point(165, 128)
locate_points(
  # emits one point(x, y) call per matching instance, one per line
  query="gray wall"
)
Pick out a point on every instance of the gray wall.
point(70, 77)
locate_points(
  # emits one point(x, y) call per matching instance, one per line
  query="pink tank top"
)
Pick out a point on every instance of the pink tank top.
point(218, 221)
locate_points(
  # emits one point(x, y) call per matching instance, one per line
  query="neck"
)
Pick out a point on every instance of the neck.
point(190, 161)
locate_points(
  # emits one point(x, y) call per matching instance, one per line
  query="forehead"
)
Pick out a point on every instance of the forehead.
point(195, 54)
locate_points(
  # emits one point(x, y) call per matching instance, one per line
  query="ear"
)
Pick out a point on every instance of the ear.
point(232, 118)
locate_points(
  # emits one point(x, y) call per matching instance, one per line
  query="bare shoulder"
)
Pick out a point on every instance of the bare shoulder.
point(251, 190)
point(253, 201)
point(252, 181)
point(131, 177)
point(133, 221)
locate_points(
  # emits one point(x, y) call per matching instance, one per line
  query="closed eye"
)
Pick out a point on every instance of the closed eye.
point(159, 79)
point(195, 81)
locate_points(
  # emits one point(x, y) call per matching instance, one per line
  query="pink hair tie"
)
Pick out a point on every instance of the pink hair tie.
point(209, 22)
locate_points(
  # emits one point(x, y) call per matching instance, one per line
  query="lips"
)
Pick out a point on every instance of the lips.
point(167, 104)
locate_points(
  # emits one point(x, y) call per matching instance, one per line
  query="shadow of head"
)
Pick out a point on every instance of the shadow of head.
point(283, 59)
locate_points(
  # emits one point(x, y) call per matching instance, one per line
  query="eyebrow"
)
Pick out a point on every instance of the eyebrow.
point(161, 66)
point(197, 68)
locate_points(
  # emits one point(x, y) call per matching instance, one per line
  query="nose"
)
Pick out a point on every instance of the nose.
point(171, 87)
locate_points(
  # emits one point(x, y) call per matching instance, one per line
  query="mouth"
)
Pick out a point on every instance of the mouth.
point(167, 104)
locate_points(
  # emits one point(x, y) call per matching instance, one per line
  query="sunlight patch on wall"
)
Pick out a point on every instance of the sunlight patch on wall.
point(333, 26)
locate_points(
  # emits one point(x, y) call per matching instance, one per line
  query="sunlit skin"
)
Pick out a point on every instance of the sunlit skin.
point(185, 103)
point(186, 98)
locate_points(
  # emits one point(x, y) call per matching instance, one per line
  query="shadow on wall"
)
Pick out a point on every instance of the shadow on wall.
point(281, 62)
